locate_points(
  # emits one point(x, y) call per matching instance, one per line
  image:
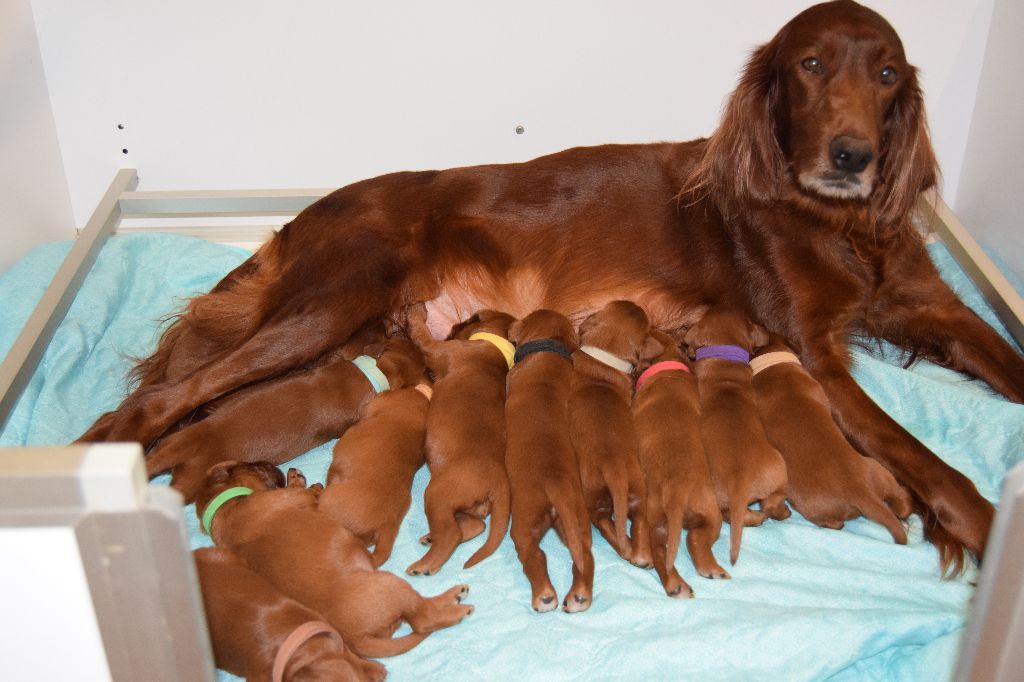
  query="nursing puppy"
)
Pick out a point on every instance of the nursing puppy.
point(829, 481)
point(280, 419)
point(369, 482)
point(680, 491)
point(542, 467)
point(612, 342)
point(744, 465)
point(465, 446)
point(260, 634)
point(278, 532)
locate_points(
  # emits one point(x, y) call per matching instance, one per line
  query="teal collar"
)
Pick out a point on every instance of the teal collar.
point(368, 366)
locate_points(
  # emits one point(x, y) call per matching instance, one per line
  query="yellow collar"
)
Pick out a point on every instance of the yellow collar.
point(501, 343)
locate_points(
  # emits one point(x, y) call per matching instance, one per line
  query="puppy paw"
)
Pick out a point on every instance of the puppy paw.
point(576, 602)
point(545, 602)
point(677, 588)
point(425, 540)
point(296, 478)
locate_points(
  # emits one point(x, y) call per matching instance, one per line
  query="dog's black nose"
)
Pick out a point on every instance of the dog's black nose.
point(850, 154)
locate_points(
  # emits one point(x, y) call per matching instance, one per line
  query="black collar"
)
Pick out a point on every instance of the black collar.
point(542, 346)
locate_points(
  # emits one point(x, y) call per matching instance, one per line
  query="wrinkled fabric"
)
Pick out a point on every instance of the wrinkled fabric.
point(804, 603)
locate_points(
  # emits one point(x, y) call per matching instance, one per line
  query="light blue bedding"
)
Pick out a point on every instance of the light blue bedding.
point(804, 603)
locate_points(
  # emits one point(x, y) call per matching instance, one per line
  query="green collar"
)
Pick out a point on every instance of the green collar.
point(217, 502)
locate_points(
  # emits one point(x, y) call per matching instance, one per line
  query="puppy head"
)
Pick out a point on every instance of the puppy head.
point(490, 321)
point(231, 474)
point(402, 362)
point(721, 326)
point(621, 328)
point(544, 324)
point(370, 335)
point(668, 350)
point(775, 343)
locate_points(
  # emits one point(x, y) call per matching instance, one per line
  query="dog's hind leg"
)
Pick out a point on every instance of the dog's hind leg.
point(528, 527)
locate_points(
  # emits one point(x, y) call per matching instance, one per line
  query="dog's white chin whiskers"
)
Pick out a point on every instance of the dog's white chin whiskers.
point(836, 189)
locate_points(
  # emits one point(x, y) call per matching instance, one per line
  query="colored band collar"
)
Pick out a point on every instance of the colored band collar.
point(218, 502)
point(613, 361)
point(724, 352)
point(542, 346)
point(426, 390)
point(657, 368)
point(763, 362)
point(502, 344)
point(368, 366)
point(299, 636)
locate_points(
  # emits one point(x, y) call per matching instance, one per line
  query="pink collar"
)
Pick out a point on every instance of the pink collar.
point(299, 636)
point(659, 367)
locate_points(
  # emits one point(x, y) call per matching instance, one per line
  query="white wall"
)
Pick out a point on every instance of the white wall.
point(34, 202)
point(989, 195)
point(244, 93)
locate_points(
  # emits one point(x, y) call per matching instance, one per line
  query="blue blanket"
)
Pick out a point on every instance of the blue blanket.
point(804, 602)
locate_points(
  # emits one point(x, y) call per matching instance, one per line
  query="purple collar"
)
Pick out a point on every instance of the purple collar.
point(724, 352)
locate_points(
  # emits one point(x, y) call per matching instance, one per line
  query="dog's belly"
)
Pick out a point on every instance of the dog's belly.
point(523, 290)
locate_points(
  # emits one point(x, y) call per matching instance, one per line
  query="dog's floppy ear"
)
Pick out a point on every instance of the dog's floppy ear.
point(651, 349)
point(220, 472)
point(514, 331)
point(758, 336)
point(269, 474)
point(457, 328)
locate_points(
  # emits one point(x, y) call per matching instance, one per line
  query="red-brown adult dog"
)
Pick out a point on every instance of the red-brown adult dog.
point(797, 210)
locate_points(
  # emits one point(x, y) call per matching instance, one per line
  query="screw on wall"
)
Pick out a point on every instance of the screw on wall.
point(120, 126)
point(520, 130)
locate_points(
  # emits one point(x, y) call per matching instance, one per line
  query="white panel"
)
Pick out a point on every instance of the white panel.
point(318, 93)
point(34, 202)
point(989, 198)
point(47, 604)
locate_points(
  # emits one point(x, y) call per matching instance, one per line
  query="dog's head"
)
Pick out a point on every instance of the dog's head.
point(623, 329)
point(490, 321)
point(401, 362)
point(720, 326)
point(829, 113)
point(544, 324)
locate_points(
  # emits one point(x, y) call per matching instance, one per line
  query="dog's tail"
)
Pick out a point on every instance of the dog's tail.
point(674, 527)
point(501, 514)
point(618, 486)
point(739, 513)
point(380, 647)
point(570, 519)
point(879, 512)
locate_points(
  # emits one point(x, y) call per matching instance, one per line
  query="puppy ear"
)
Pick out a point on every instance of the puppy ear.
point(514, 330)
point(220, 472)
point(457, 328)
point(269, 474)
point(652, 348)
point(758, 336)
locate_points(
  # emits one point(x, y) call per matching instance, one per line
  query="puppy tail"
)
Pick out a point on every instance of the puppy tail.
point(620, 507)
point(378, 647)
point(572, 521)
point(879, 512)
point(501, 514)
point(674, 528)
point(738, 513)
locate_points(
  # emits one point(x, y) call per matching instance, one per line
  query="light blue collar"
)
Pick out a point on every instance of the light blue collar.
point(368, 366)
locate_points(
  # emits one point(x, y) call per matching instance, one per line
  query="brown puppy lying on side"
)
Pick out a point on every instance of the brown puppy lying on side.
point(280, 419)
point(744, 465)
point(612, 342)
point(310, 557)
point(369, 482)
point(680, 492)
point(829, 481)
point(260, 634)
point(542, 467)
point(465, 446)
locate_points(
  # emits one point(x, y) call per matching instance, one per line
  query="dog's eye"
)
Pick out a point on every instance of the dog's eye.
point(888, 75)
point(812, 64)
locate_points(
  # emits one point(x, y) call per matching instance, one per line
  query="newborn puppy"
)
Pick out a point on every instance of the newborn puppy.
point(278, 532)
point(279, 419)
point(829, 481)
point(542, 467)
point(680, 492)
point(612, 342)
point(465, 447)
point(260, 634)
point(744, 465)
point(369, 482)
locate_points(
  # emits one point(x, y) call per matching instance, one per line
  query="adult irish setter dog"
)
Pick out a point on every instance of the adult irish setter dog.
point(797, 210)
